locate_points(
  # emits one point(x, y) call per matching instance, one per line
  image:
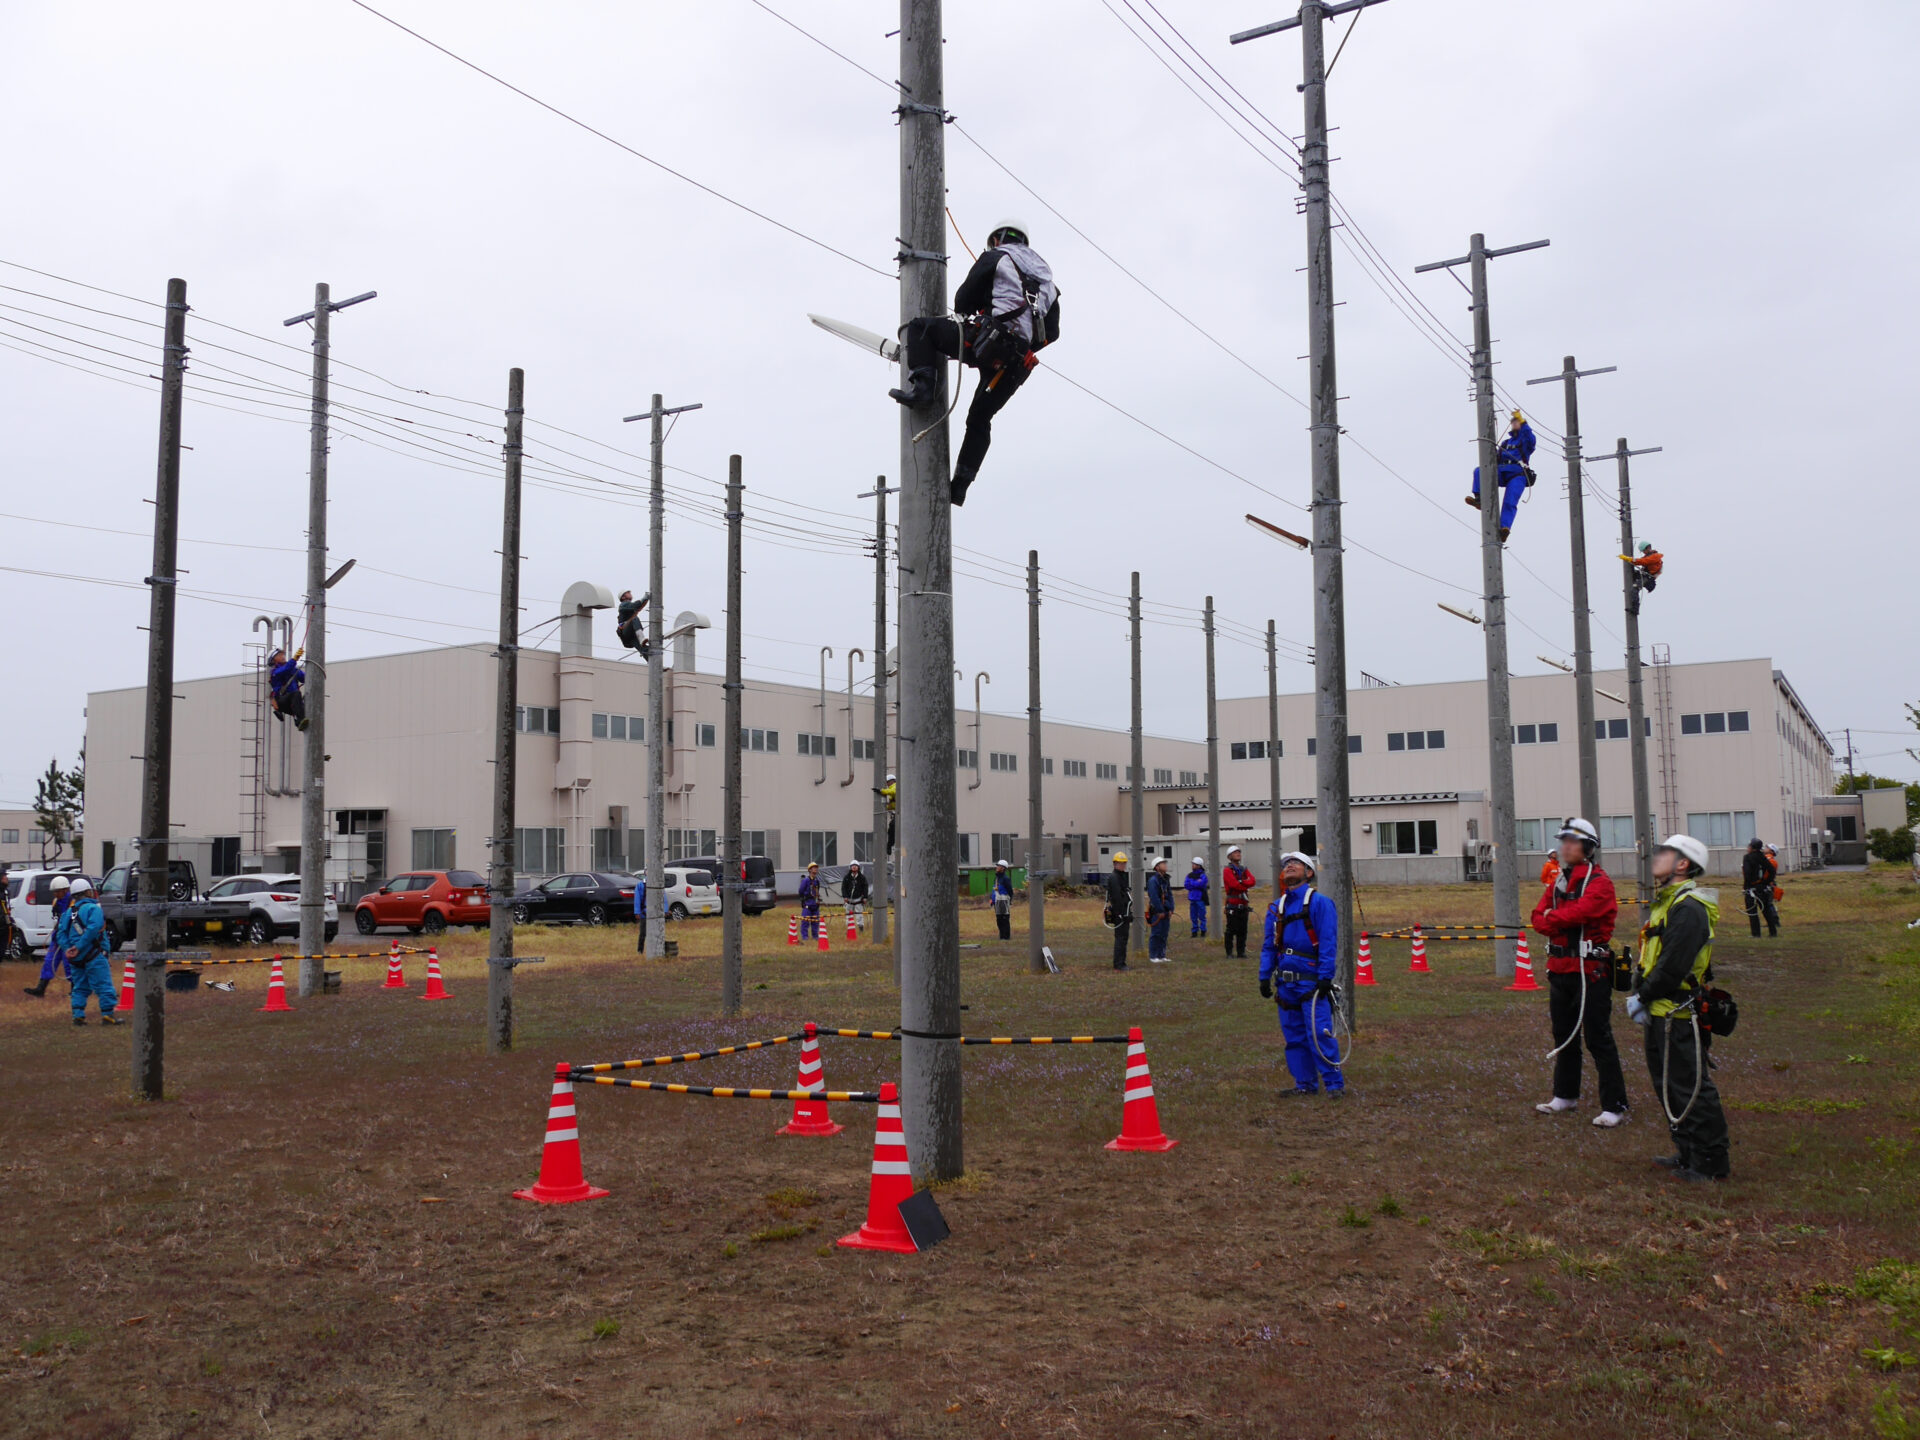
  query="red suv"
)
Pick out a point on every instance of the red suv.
point(428, 900)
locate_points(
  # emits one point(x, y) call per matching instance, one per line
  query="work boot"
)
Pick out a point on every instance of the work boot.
point(1670, 1162)
point(111, 1019)
point(1607, 1119)
point(1756, 928)
point(957, 492)
point(1505, 530)
point(1695, 1177)
point(36, 990)
point(1555, 1105)
point(1473, 502)
point(80, 1020)
point(1773, 932)
point(918, 391)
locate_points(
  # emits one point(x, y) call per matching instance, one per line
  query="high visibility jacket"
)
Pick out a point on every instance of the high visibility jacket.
point(1237, 882)
point(1676, 947)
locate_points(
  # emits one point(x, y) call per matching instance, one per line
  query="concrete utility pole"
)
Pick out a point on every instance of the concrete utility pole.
point(1273, 751)
point(1137, 865)
point(1636, 690)
point(1036, 818)
point(313, 798)
point(1333, 820)
point(929, 928)
point(1506, 870)
point(732, 962)
point(1213, 787)
point(883, 866)
point(656, 679)
point(504, 860)
point(1570, 376)
point(156, 763)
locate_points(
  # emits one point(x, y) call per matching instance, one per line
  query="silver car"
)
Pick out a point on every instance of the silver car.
point(275, 902)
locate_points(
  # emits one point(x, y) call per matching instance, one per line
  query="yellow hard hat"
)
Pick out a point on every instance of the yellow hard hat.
point(1518, 416)
point(1119, 857)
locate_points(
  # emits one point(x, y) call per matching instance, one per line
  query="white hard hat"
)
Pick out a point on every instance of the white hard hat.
point(1010, 223)
point(890, 777)
point(1688, 849)
point(60, 882)
point(1578, 829)
point(1303, 858)
point(999, 864)
point(1233, 850)
point(853, 865)
point(1198, 861)
point(80, 886)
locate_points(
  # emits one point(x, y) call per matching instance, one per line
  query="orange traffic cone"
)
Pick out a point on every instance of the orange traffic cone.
point(793, 930)
point(1363, 963)
point(126, 987)
point(396, 977)
point(820, 930)
point(1418, 965)
point(853, 927)
point(1139, 1115)
point(436, 988)
point(810, 1116)
point(561, 1181)
point(892, 1183)
point(276, 990)
point(1522, 968)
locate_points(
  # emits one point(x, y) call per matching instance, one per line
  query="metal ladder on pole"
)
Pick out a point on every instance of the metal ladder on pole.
point(1663, 734)
point(253, 756)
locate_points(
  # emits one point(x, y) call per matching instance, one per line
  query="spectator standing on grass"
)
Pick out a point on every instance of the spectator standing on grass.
point(1758, 872)
point(1236, 887)
point(86, 954)
point(1299, 958)
point(1159, 911)
point(640, 909)
point(1003, 899)
point(810, 902)
point(56, 953)
point(1198, 898)
point(1577, 914)
point(855, 891)
point(1119, 912)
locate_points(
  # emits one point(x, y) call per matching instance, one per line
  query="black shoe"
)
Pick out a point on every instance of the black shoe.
point(918, 391)
point(1122, 966)
point(1756, 931)
point(1695, 1177)
point(36, 990)
point(1505, 531)
point(111, 1020)
point(957, 492)
point(1670, 1162)
point(1773, 934)
point(80, 1020)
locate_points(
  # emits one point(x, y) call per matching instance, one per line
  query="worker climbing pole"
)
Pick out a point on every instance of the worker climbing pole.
point(1515, 470)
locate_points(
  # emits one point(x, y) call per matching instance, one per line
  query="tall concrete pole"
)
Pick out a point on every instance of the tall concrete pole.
point(504, 859)
point(1636, 690)
point(156, 762)
point(732, 961)
point(1213, 787)
point(1570, 376)
point(1136, 789)
point(1273, 751)
point(313, 798)
point(1036, 818)
point(657, 690)
point(929, 919)
point(882, 871)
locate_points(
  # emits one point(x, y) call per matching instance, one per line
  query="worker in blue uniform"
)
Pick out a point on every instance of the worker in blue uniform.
point(1196, 883)
point(1515, 473)
point(1298, 961)
point(1159, 911)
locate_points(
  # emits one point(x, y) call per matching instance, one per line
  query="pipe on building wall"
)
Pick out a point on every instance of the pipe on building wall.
point(855, 653)
point(982, 675)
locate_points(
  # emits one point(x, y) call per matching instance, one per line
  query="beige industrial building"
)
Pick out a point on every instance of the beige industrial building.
point(1732, 753)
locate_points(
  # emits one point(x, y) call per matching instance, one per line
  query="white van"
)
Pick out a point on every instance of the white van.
point(691, 892)
point(30, 899)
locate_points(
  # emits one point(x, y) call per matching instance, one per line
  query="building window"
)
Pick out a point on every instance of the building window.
point(1162, 777)
point(609, 849)
point(1046, 765)
point(1408, 837)
point(1237, 750)
point(34, 837)
point(226, 855)
point(1616, 833)
point(863, 846)
point(1007, 848)
point(1549, 733)
point(754, 842)
point(1711, 828)
point(1737, 721)
point(1526, 835)
point(1313, 745)
point(9, 837)
point(1003, 761)
point(1689, 724)
point(706, 736)
point(862, 749)
point(637, 729)
point(966, 759)
point(1716, 721)
point(433, 849)
point(815, 745)
point(1525, 735)
point(540, 852)
point(688, 844)
point(1102, 771)
point(1844, 827)
point(600, 727)
point(818, 847)
point(767, 741)
point(536, 719)
point(1074, 769)
point(1353, 744)
point(969, 849)
point(1744, 828)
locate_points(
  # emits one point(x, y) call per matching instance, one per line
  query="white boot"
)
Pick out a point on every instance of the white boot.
point(1555, 1106)
point(1607, 1119)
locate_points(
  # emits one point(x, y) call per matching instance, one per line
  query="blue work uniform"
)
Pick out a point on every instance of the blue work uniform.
point(809, 908)
point(56, 959)
point(1300, 952)
point(640, 910)
point(1515, 451)
point(1196, 883)
point(1159, 914)
point(86, 934)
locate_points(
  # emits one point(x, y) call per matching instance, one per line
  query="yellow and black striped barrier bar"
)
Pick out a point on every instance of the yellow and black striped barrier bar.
point(727, 1092)
point(987, 1039)
point(690, 1055)
point(324, 955)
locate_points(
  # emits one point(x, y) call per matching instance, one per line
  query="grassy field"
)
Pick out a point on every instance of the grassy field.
point(313, 1235)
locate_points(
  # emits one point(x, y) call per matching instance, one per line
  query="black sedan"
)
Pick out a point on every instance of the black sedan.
point(577, 899)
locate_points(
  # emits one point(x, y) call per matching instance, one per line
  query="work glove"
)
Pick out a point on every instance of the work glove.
point(1323, 990)
point(1637, 1010)
point(1266, 987)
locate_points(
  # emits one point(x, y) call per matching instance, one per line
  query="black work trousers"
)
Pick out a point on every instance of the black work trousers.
point(1700, 1139)
point(1005, 921)
point(1237, 929)
point(1122, 933)
point(1759, 903)
point(1563, 1007)
point(291, 703)
point(930, 338)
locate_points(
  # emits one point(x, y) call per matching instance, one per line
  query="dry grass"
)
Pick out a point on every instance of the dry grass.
point(254, 1256)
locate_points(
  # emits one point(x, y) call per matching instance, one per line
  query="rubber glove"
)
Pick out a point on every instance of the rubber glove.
point(1323, 990)
point(1637, 1010)
point(1266, 987)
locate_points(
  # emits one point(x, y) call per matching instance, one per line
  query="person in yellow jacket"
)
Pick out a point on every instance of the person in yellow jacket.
point(1676, 953)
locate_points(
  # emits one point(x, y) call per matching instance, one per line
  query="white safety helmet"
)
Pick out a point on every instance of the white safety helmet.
point(60, 882)
point(1303, 858)
point(1688, 849)
point(853, 865)
point(1232, 850)
point(891, 778)
point(1001, 226)
point(1198, 861)
point(999, 864)
point(1578, 829)
point(80, 886)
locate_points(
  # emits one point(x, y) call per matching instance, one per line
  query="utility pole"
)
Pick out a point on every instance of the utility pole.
point(1137, 868)
point(656, 678)
point(1506, 871)
point(882, 871)
point(1636, 691)
point(732, 961)
point(1213, 787)
point(313, 798)
point(1273, 750)
point(929, 920)
point(1036, 819)
point(1333, 820)
point(504, 859)
point(153, 924)
point(1570, 376)
point(1852, 784)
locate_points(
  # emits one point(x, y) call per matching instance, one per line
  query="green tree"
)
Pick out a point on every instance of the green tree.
point(1867, 780)
point(58, 799)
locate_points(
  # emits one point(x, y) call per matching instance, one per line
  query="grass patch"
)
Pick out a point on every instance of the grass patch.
point(1388, 1207)
point(777, 1232)
point(608, 1329)
point(67, 1338)
point(730, 1250)
point(790, 1199)
point(1799, 1105)
point(1888, 1358)
point(1355, 1218)
point(1895, 1284)
point(967, 1182)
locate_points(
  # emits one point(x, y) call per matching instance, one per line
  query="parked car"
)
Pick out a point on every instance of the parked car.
point(30, 899)
point(194, 918)
point(690, 891)
point(756, 873)
point(428, 900)
point(273, 907)
point(581, 898)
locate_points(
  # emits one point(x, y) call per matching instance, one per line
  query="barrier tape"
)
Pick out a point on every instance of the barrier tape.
point(324, 955)
point(722, 1092)
point(690, 1055)
point(984, 1039)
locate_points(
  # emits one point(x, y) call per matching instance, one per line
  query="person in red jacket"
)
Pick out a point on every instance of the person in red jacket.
point(1576, 914)
point(1236, 888)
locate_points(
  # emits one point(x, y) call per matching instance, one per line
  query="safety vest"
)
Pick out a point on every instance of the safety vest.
point(1655, 932)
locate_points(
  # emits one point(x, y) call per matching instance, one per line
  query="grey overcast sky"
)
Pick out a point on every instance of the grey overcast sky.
point(1729, 188)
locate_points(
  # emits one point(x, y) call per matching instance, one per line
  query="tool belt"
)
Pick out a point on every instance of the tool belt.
point(1300, 977)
